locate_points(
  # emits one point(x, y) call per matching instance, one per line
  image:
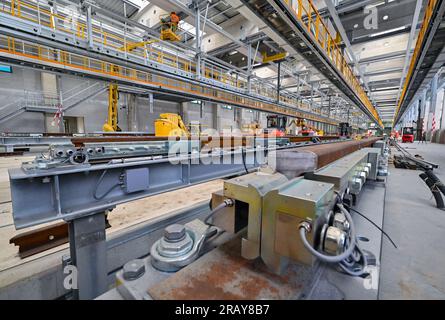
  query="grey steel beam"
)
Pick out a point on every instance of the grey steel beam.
point(430, 59)
point(383, 72)
point(210, 24)
point(384, 57)
point(409, 45)
point(333, 12)
point(317, 56)
point(68, 193)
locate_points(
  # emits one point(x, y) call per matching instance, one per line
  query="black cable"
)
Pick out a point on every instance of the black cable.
point(97, 187)
point(222, 205)
point(374, 224)
point(243, 156)
point(362, 215)
point(436, 180)
point(434, 190)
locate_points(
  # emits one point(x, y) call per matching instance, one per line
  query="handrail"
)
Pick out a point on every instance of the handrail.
point(417, 51)
point(103, 36)
point(317, 28)
point(23, 50)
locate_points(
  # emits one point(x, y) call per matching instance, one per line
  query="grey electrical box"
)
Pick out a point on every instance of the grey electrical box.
point(136, 180)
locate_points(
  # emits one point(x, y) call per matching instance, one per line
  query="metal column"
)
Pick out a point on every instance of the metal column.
point(89, 255)
point(90, 27)
point(279, 82)
point(198, 39)
point(433, 103)
point(442, 119)
point(419, 121)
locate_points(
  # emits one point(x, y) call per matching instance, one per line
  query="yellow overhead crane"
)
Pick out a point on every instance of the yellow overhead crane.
point(112, 120)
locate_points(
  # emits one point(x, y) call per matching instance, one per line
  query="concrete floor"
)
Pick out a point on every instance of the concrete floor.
point(416, 269)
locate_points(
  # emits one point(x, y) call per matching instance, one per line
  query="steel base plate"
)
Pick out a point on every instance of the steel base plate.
point(223, 274)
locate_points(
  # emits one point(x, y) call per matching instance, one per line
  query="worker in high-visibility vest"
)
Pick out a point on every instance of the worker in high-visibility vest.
point(174, 20)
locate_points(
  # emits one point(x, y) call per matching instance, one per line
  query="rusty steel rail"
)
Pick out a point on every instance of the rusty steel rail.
point(39, 240)
point(48, 237)
point(328, 153)
point(42, 239)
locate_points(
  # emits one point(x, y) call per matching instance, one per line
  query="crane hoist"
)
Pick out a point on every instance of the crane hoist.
point(112, 120)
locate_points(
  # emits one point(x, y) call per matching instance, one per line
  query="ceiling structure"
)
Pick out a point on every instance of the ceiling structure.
point(378, 53)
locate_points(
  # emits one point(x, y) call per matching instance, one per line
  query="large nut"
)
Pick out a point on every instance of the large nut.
point(341, 222)
point(334, 241)
point(134, 269)
point(174, 232)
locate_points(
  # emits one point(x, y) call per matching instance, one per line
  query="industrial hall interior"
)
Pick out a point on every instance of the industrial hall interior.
point(222, 150)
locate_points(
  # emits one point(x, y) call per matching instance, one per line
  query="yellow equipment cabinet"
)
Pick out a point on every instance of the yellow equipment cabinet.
point(170, 124)
point(112, 121)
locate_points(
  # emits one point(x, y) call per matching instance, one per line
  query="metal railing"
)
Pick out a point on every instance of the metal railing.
point(49, 101)
point(24, 50)
point(417, 52)
point(106, 36)
point(316, 27)
point(29, 99)
point(84, 91)
point(73, 24)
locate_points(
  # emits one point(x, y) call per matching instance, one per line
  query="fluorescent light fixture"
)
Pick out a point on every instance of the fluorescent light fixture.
point(387, 31)
point(375, 4)
point(231, 53)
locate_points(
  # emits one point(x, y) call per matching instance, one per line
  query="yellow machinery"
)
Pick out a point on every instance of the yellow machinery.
point(112, 121)
point(251, 128)
point(304, 129)
point(134, 45)
point(169, 31)
point(170, 124)
point(275, 57)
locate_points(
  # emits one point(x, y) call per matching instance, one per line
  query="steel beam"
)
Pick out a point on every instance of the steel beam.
point(68, 193)
point(333, 12)
point(409, 45)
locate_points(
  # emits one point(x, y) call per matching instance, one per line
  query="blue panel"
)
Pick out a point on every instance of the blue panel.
point(4, 68)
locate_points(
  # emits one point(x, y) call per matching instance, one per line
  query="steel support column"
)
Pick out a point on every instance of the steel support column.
point(419, 120)
point(197, 39)
point(88, 251)
point(433, 102)
point(90, 27)
point(279, 82)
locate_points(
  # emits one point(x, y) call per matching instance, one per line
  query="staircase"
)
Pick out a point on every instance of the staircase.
point(48, 102)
